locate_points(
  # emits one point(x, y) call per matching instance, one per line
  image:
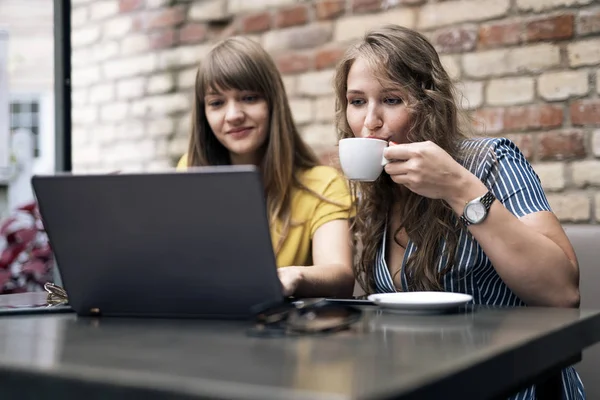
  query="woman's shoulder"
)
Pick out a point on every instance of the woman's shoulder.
point(480, 155)
point(183, 162)
point(320, 175)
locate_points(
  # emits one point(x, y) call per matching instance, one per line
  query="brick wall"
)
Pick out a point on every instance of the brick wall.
point(528, 69)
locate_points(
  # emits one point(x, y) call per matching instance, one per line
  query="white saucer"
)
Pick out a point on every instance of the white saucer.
point(420, 302)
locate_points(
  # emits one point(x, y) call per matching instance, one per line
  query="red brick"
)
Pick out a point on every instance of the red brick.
point(218, 32)
point(500, 34)
point(561, 145)
point(162, 39)
point(291, 16)
point(524, 142)
point(588, 22)
point(129, 5)
point(192, 33)
point(533, 117)
point(255, 23)
point(167, 18)
point(291, 63)
point(359, 6)
point(585, 112)
point(329, 9)
point(552, 28)
point(328, 57)
point(489, 120)
point(455, 40)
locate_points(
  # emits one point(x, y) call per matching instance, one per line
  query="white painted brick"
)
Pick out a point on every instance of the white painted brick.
point(470, 94)
point(453, 12)
point(239, 6)
point(159, 166)
point(80, 57)
point(182, 56)
point(84, 36)
point(507, 91)
point(452, 66)
point(84, 115)
point(302, 110)
point(319, 136)
point(316, 83)
point(586, 173)
point(572, 207)
point(541, 5)
point(82, 77)
point(160, 83)
point(562, 85)
point(103, 9)
point(130, 130)
point(114, 112)
point(78, 3)
point(79, 16)
point(134, 44)
point(596, 142)
point(130, 66)
point(552, 175)
point(118, 27)
point(86, 155)
point(105, 50)
point(178, 146)
point(584, 52)
point(157, 3)
point(139, 107)
point(130, 88)
point(162, 127)
point(208, 10)
point(166, 104)
point(290, 83)
point(598, 81)
point(297, 37)
point(79, 97)
point(510, 61)
point(186, 79)
point(325, 107)
point(355, 26)
point(102, 93)
point(105, 133)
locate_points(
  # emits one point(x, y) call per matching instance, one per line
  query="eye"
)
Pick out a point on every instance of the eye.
point(215, 103)
point(356, 102)
point(250, 98)
point(392, 101)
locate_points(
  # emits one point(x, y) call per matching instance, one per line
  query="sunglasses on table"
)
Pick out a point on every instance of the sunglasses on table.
point(303, 317)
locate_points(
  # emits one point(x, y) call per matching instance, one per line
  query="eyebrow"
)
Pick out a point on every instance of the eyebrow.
point(355, 91)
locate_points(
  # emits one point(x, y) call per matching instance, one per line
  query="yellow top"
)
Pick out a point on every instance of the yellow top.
point(309, 212)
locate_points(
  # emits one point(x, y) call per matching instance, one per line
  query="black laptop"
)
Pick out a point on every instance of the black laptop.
point(175, 244)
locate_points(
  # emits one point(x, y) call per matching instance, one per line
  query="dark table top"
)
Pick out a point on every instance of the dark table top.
point(473, 353)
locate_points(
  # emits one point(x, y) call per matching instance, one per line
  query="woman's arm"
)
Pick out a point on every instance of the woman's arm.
point(531, 254)
point(331, 275)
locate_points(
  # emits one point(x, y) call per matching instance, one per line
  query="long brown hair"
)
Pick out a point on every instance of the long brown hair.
point(240, 63)
point(404, 58)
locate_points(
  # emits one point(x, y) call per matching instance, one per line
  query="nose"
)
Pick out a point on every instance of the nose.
point(234, 112)
point(373, 121)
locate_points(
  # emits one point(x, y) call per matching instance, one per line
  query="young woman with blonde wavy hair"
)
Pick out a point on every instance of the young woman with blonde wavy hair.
point(450, 212)
point(241, 115)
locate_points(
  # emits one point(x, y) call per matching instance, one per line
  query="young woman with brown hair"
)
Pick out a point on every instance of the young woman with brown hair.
point(241, 115)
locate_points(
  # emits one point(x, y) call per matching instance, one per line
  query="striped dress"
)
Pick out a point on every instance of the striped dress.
point(504, 169)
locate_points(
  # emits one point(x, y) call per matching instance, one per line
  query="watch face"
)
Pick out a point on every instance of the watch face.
point(475, 212)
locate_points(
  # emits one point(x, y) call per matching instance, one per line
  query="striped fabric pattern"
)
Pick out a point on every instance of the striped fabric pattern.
point(503, 168)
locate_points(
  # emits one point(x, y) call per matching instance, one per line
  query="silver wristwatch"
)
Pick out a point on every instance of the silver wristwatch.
point(476, 210)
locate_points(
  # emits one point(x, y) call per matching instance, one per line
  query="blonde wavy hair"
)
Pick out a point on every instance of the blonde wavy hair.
point(404, 58)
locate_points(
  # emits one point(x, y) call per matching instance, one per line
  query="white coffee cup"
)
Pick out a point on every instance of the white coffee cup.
point(362, 158)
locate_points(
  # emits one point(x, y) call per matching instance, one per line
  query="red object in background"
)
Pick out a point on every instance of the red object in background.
point(26, 259)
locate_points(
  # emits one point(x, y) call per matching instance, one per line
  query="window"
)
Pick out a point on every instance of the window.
point(25, 114)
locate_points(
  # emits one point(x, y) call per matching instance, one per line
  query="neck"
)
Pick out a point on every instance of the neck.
point(246, 159)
